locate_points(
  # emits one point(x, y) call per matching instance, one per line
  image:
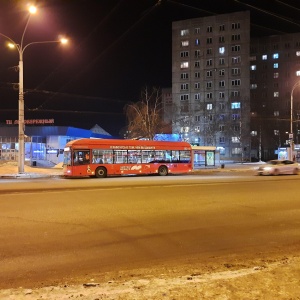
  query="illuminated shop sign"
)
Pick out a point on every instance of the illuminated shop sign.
point(31, 122)
point(51, 151)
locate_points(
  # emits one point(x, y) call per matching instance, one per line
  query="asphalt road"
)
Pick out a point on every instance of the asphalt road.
point(53, 230)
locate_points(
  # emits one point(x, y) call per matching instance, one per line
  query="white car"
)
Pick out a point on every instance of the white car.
point(276, 167)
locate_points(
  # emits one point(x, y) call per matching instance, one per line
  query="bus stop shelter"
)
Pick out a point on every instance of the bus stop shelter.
point(204, 156)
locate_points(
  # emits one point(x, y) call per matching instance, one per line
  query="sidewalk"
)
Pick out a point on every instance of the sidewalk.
point(10, 170)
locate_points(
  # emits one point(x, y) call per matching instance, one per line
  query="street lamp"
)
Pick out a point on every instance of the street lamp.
point(21, 48)
point(291, 122)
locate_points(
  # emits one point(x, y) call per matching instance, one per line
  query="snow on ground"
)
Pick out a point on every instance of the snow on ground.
point(269, 280)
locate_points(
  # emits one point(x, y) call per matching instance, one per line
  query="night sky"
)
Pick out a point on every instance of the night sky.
point(116, 48)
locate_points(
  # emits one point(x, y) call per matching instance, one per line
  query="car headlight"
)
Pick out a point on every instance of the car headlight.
point(267, 168)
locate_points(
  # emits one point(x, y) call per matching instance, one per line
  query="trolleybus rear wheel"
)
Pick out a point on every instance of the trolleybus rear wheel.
point(162, 171)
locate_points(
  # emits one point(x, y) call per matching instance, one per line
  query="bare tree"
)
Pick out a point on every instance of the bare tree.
point(145, 116)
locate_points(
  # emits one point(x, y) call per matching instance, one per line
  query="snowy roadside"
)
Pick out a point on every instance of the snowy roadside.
point(10, 170)
point(269, 280)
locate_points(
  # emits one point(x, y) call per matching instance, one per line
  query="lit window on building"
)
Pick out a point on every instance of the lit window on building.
point(276, 113)
point(276, 132)
point(222, 50)
point(236, 150)
point(184, 32)
point(235, 139)
point(297, 73)
point(209, 106)
point(276, 75)
point(253, 133)
point(275, 56)
point(275, 66)
point(235, 105)
point(253, 86)
point(184, 43)
point(264, 57)
point(197, 42)
point(276, 94)
point(297, 53)
point(253, 67)
point(184, 65)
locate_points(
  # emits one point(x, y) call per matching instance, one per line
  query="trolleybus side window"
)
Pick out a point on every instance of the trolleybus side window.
point(134, 157)
point(102, 156)
point(185, 156)
point(81, 157)
point(148, 156)
point(120, 156)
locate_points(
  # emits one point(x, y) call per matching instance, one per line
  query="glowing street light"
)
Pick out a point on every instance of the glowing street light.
point(291, 123)
point(21, 48)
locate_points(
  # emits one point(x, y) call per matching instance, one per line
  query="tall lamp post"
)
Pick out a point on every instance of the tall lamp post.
point(21, 48)
point(291, 122)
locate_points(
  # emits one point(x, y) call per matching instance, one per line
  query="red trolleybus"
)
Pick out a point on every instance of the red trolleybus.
point(101, 157)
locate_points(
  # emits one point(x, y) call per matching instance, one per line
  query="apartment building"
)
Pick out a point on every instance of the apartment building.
point(210, 82)
point(274, 78)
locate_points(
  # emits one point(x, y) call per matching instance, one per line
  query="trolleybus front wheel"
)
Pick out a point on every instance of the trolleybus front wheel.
point(101, 172)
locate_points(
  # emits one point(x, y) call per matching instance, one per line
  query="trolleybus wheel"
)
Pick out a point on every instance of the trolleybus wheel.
point(162, 171)
point(101, 172)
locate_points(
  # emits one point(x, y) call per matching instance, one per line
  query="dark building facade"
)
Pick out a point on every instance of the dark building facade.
point(274, 79)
